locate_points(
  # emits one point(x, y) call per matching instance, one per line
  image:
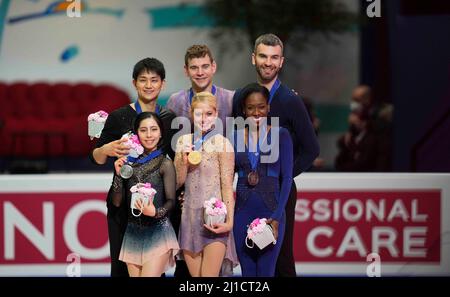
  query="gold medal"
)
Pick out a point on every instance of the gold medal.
point(195, 157)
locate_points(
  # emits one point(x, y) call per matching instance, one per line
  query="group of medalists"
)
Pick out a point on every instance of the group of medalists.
point(186, 169)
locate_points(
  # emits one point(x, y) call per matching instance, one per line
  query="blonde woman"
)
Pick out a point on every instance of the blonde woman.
point(204, 163)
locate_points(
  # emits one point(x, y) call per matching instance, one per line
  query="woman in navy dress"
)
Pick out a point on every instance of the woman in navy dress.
point(264, 181)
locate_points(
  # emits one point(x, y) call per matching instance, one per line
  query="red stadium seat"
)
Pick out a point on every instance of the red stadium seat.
point(61, 97)
point(42, 120)
point(17, 95)
point(82, 96)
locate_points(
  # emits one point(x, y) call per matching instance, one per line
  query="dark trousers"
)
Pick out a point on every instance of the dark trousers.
point(255, 262)
point(117, 222)
point(181, 269)
point(285, 263)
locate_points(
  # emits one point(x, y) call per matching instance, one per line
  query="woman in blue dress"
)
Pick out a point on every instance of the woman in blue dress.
point(264, 180)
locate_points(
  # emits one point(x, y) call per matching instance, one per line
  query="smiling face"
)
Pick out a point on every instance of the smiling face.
point(148, 86)
point(149, 134)
point(268, 61)
point(204, 115)
point(256, 107)
point(200, 71)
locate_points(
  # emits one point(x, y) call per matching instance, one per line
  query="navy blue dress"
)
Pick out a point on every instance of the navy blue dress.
point(265, 200)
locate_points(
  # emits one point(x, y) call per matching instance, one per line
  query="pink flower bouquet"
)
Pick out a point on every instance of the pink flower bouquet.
point(96, 122)
point(134, 144)
point(141, 191)
point(260, 233)
point(215, 211)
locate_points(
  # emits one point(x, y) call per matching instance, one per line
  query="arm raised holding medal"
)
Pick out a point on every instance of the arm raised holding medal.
point(181, 161)
point(149, 194)
point(119, 163)
point(148, 80)
point(205, 164)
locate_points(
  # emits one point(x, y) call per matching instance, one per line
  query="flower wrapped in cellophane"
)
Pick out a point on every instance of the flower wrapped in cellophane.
point(142, 191)
point(260, 233)
point(215, 211)
point(134, 144)
point(96, 122)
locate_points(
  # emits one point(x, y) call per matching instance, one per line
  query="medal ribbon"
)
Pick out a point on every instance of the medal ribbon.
point(191, 93)
point(149, 157)
point(273, 89)
point(198, 141)
point(139, 108)
point(254, 157)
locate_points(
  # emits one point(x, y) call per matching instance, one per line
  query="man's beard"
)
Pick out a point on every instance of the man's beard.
point(264, 78)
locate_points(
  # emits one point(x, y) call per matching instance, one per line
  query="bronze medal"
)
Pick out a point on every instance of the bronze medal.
point(253, 178)
point(195, 157)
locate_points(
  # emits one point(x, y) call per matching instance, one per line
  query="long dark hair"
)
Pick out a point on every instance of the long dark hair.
point(149, 115)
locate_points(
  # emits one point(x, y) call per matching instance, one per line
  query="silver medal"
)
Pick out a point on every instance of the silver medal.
point(126, 171)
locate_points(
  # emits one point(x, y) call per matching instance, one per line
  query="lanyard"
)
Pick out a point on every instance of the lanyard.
point(273, 89)
point(198, 142)
point(191, 93)
point(139, 109)
point(149, 157)
point(254, 157)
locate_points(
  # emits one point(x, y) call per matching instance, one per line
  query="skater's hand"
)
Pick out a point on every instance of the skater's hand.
point(219, 227)
point(274, 224)
point(116, 148)
point(185, 152)
point(147, 209)
point(118, 164)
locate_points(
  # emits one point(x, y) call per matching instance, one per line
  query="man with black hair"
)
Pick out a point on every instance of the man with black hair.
point(148, 79)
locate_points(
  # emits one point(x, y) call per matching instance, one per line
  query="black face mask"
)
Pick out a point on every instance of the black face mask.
point(354, 130)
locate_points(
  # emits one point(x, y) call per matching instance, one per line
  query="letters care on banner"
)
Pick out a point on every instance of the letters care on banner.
point(342, 221)
point(346, 226)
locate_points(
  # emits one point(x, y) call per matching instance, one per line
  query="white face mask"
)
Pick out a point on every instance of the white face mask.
point(354, 106)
